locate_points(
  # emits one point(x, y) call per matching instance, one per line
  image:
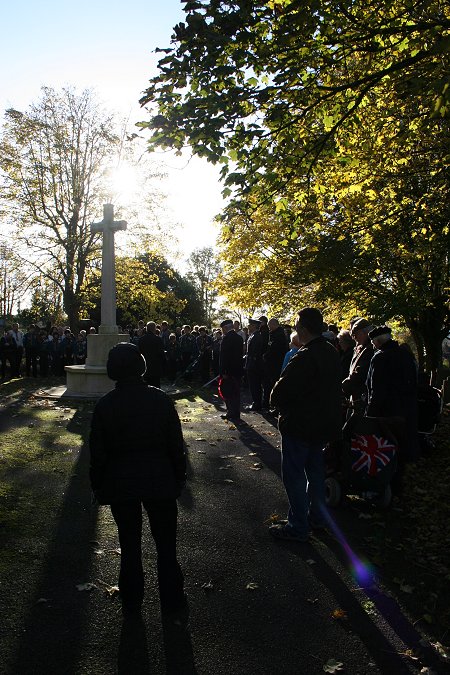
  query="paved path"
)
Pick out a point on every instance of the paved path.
point(258, 607)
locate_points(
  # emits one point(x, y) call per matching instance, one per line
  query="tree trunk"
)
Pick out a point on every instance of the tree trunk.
point(418, 341)
point(72, 309)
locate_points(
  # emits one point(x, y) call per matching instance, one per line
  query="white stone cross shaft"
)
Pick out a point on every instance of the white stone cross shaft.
point(108, 226)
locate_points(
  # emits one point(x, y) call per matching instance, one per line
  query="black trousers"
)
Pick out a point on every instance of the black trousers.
point(254, 378)
point(233, 400)
point(268, 383)
point(162, 515)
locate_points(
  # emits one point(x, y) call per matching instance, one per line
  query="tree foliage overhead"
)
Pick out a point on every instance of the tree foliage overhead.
point(331, 122)
point(257, 85)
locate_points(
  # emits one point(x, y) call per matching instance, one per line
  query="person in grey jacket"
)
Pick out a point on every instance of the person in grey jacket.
point(138, 459)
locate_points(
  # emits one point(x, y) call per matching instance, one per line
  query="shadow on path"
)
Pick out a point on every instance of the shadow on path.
point(52, 631)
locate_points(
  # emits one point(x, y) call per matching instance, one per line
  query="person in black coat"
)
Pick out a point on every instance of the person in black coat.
point(254, 363)
point(392, 388)
point(231, 369)
point(137, 458)
point(354, 385)
point(308, 396)
point(152, 349)
point(273, 358)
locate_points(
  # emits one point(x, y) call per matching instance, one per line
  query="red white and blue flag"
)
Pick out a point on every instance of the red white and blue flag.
point(373, 453)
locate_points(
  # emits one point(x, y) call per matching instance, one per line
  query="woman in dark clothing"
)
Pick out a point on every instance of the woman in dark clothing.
point(137, 458)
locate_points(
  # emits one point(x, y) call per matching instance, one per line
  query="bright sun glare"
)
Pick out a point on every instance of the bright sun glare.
point(124, 183)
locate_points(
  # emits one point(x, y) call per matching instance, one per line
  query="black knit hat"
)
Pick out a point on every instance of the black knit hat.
point(124, 361)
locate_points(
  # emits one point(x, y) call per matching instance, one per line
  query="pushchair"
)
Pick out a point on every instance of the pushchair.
point(429, 411)
point(365, 461)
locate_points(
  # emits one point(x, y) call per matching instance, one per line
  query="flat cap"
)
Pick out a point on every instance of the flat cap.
point(227, 322)
point(361, 323)
point(381, 330)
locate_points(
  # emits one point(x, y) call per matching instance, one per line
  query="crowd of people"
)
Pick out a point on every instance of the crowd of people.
point(304, 374)
point(39, 351)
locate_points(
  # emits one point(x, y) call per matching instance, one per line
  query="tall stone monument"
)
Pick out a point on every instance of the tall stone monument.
point(91, 379)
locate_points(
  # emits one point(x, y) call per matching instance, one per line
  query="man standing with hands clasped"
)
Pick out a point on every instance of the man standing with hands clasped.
point(308, 396)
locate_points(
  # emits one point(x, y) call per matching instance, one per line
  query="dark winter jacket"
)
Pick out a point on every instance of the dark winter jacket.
point(152, 349)
point(392, 383)
point(277, 347)
point(308, 394)
point(254, 348)
point(354, 385)
point(231, 354)
point(136, 445)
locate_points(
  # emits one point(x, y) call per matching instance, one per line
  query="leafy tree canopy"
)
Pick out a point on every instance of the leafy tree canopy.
point(256, 85)
point(147, 288)
point(331, 122)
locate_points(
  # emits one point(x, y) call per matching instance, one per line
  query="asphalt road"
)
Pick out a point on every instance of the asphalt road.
point(257, 606)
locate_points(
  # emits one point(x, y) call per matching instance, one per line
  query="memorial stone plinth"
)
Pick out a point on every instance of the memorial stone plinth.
point(91, 380)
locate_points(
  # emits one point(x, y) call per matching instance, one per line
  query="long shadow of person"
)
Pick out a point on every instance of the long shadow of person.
point(178, 648)
point(133, 654)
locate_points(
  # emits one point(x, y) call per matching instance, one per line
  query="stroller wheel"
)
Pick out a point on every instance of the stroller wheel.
point(333, 491)
point(384, 498)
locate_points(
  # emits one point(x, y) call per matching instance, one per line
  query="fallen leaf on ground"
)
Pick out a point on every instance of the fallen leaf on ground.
point(201, 452)
point(255, 468)
point(312, 601)
point(228, 466)
point(99, 551)
point(333, 666)
point(252, 454)
point(258, 465)
point(88, 586)
point(442, 650)
point(228, 480)
point(252, 586)
point(200, 439)
point(339, 614)
point(410, 654)
point(209, 586)
point(310, 561)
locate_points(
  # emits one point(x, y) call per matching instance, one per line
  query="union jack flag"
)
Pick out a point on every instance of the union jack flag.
point(373, 453)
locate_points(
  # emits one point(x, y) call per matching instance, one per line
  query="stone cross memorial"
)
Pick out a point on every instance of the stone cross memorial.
point(91, 379)
point(108, 226)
